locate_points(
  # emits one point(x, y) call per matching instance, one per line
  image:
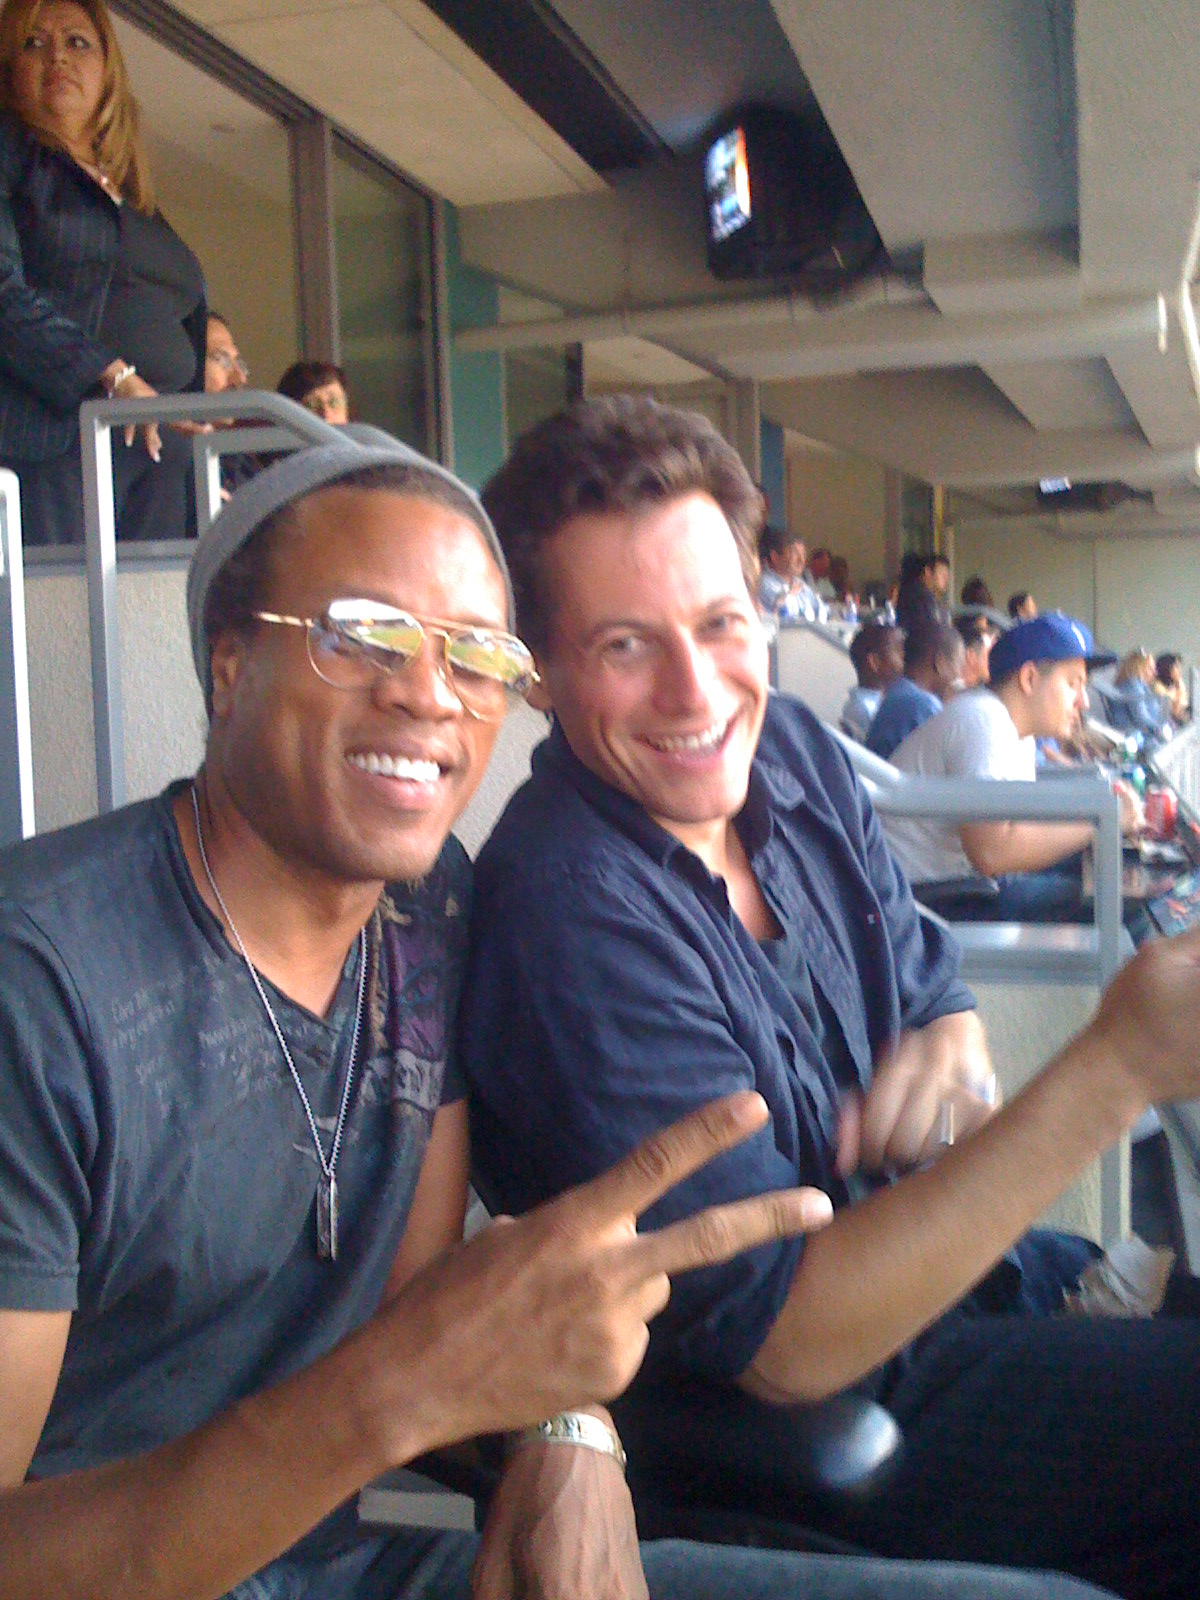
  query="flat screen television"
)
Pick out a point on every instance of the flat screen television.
point(1063, 494)
point(781, 201)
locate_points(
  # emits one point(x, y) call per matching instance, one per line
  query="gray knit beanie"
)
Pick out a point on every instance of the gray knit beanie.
point(295, 475)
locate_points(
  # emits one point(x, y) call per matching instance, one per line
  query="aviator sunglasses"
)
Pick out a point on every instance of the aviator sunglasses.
point(354, 642)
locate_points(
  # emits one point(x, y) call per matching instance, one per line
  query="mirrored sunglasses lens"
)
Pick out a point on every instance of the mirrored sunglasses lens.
point(488, 655)
point(395, 642)
point(350, 654)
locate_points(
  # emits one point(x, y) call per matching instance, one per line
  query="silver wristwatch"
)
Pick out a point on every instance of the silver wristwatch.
point(577, 1428)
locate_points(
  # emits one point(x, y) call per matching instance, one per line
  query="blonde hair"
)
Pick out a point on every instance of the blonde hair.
point(1136, 664)
point(115, 135)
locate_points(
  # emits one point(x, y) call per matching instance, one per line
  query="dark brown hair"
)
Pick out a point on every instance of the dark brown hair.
point(302, 377)
point(615, 453)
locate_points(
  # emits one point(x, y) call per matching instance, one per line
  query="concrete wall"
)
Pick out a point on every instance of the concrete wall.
point(839, 501)
point(1129, 591)
point(1026, 1025)
point(1057, 573)
point(163, 711)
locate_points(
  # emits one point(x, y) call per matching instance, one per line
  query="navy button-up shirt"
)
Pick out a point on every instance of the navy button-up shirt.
point(612, 989)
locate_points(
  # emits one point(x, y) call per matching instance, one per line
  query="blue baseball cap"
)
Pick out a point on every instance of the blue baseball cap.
point(1050, 637)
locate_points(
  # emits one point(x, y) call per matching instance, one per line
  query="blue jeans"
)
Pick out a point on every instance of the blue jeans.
point(1052, 895)
point(438, 1567)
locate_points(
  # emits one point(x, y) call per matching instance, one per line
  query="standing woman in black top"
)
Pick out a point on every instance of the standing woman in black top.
point(98, 296)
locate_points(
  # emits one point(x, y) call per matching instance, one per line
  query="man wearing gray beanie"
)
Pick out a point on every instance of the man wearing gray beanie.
point(233, 1146)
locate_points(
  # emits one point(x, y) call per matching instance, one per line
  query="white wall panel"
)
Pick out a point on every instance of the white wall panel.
point(163, 709)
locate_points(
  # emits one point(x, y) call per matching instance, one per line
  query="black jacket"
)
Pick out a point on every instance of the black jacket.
point(59, 242)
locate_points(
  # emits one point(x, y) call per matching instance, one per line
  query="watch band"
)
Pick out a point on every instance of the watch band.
point(577, 1428)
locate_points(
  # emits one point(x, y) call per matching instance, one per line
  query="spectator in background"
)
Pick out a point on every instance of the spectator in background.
point(783, 590)
point(978, 635)
point(933, 665)
point(225, 373)
point(320, 387)
point(1172, 686)
point(976, 593)
point(1038, 690)
point(1022, 607)
point(1135, 706)
point(877, 651)
point(100, 296)
point(937, 576)
point(839, 578)
point(819, 575)
point(920, 597)
point(224, 368)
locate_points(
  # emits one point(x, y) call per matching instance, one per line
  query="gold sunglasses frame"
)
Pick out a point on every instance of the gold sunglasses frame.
point(433, 627)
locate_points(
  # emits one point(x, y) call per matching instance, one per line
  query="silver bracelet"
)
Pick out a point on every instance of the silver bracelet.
point(124, 371)
point(577, 1428)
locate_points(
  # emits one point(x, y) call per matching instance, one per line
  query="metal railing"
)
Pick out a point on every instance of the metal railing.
point(1023, 953)
point(97, 419)
point(1067, 799)
point(16, 751)
point(1178, 763)
point(1083, 799)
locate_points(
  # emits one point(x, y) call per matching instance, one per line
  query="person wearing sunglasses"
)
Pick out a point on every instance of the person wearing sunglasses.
point(233, 1154)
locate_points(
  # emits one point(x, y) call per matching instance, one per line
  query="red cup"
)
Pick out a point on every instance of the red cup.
point(1162, 810)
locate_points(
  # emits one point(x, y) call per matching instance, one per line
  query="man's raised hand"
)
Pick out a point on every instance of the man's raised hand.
point(550, 1310)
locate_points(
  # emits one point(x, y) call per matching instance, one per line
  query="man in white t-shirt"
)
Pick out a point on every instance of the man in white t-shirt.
point(1038, 690)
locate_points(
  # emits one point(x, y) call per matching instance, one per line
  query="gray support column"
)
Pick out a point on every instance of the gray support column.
point(893, 522)
point(100, 549)
point(442, 391)
point(16, 754)
point(316, 254)
point(745, 425)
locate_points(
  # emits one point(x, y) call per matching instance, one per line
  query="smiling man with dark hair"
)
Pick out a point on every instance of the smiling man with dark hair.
point(692, 894)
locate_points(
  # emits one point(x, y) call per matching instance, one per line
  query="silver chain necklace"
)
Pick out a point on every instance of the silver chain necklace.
point(327, 1191)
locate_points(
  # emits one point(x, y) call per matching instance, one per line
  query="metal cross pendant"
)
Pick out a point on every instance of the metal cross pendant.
point(327, 1217)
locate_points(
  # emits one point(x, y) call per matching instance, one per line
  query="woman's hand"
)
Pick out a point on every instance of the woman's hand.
point(131, 387)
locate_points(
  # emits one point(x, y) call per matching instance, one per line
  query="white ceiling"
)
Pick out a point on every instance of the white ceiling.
point(1041, 164)
point(395, 76)
point(185, 111)
point(1037, 161)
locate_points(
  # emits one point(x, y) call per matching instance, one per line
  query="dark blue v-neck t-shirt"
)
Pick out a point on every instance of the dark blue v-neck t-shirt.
point(157, 1171)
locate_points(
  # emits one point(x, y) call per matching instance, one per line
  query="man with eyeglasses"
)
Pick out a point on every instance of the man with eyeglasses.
point(224, 373)
point(223, 365)
point(233, 1145)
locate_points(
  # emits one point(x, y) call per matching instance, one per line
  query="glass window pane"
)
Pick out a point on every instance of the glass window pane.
point(537, 383)
point(381, 232)
point(221, 175)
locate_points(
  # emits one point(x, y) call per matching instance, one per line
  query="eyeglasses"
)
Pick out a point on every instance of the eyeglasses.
point(228, 363)
point(355, 642)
